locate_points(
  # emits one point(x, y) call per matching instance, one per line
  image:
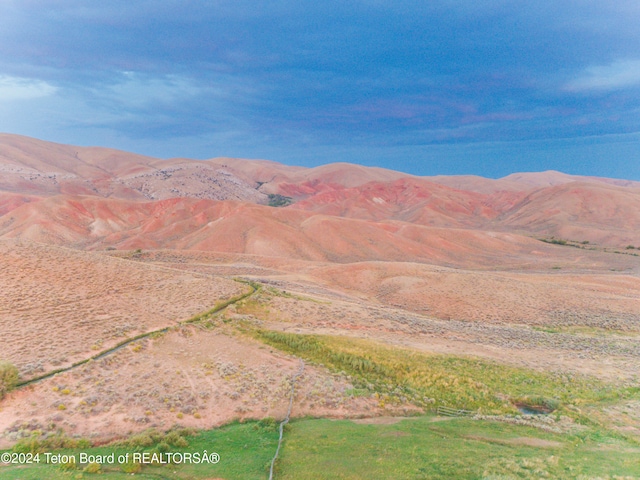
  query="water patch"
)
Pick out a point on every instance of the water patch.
point(533, 410)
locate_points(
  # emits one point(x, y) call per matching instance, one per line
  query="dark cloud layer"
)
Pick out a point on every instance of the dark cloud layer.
point(430, 87)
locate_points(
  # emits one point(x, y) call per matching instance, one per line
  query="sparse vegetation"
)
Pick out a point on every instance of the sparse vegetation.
point(554, 241)
point(277, 200)
point(103, 293)
point(8, 377)
point(257, 307)
point(138, 347)
point(596, 332)
point(39, 442)
point(282, 293)
point(221, 305)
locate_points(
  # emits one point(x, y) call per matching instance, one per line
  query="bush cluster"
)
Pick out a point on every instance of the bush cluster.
point(8, 378)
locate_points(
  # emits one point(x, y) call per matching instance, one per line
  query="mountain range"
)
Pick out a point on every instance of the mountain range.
point(99, 198)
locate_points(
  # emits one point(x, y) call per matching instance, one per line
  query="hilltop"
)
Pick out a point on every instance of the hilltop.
point(97, 198)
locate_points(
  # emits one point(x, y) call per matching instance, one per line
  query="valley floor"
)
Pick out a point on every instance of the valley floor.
point(380, 340)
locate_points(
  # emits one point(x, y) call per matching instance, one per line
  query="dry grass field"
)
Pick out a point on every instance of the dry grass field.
point(189, 376)
point(60, 305)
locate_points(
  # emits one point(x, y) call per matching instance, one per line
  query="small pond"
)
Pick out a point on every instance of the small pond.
point(528, 409)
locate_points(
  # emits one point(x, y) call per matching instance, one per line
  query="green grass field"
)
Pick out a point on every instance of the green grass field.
point(424, 447)
point(421, 448)
point(245, 452)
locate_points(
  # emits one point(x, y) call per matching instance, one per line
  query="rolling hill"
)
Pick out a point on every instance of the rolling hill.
point(96, 198)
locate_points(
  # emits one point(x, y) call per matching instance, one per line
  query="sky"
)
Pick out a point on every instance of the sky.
point(444, 87)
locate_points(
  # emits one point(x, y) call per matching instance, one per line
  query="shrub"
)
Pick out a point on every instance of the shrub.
point(67, 467)
point(268, 423)
point(83, 443)
point(92, 468)
point(553, 240)
point(8, 378)
point(174, 438)
point(28, 445)
point(131, 467)
point(141, 440)
point(276, 200)
point(36, 444)
point(163, 447)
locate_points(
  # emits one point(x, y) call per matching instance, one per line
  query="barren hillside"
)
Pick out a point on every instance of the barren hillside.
point(97, 197)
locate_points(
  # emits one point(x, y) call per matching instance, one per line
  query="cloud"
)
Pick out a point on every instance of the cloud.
point(294, 80)
point(16, 88)
point(616, 75)
point(142, 91)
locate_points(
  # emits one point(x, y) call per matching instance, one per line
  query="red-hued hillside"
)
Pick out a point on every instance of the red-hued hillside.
point(519, 182)
point(97, 197)
point(410, 200)
point(95, 223)
point(42, 168)
point(596, 212)
point(300, 182)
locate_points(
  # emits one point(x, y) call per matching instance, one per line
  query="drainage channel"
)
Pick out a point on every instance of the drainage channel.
point(294, 379)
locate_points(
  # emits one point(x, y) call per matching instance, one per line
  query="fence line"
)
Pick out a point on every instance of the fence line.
point(453, 412)
point(286, 420)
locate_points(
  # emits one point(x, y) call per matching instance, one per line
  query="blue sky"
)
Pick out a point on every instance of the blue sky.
point(447, 87)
